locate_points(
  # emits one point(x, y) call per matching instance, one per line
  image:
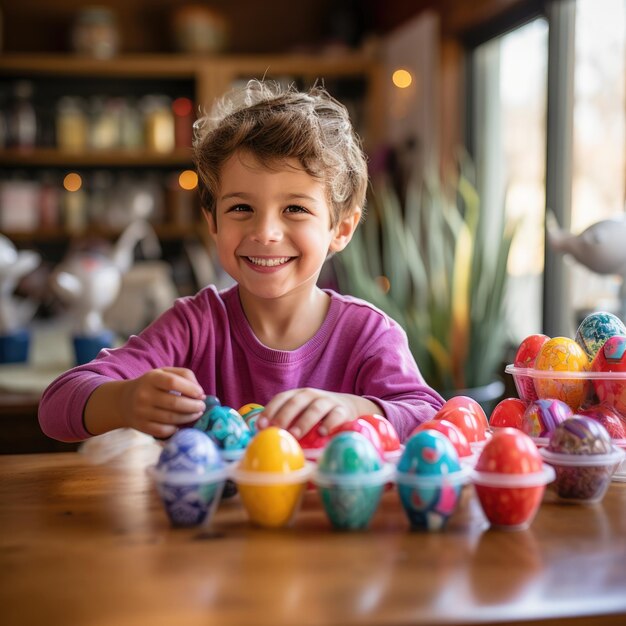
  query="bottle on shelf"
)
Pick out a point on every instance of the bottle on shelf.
point(22, 119)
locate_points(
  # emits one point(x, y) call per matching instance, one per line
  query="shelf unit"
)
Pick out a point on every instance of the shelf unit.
point(207, 76)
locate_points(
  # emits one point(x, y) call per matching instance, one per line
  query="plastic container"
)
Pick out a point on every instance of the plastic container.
point(350, 500)
point(271, 499)
point(583, 478)
point(620, 473)
point(429, 500)
point(511, 501)
point(189, 498)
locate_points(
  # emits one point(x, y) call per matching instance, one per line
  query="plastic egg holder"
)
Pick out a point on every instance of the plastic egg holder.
point(271, 477)
point(430, 477)
point(350, 479)
point(190, 478)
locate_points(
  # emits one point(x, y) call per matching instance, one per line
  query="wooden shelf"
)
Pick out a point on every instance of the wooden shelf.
point(52, 157)
point(163, 231)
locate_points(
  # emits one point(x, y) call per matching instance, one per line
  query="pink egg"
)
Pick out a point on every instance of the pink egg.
point(508, 412)
point(525, 357)
point(611, 358)
point(541, 417)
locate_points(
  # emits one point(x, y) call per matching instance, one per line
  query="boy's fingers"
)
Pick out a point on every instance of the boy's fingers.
point(181, 380)
point(179, 404)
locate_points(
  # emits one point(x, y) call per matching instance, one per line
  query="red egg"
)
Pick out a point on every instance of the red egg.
point(467, 415)
point(525, 357)
point(359, 425)
point(614, 423)
point(508, 412)
point(313, 439)
point(611, 357)
point(452, 432)
point(508, 455)
point(388, 435)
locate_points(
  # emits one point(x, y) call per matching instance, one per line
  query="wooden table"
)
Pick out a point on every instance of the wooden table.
point(90, 545)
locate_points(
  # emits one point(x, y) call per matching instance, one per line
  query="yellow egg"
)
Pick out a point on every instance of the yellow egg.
point(246, 408)
point(561, 354)
point(276, 453)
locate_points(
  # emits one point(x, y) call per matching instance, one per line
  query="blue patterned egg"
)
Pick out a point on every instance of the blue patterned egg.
point(225, 427)
point(190, 477)
point(348, 482)
point(189, 451)
point(595, 329)
point(429, 480)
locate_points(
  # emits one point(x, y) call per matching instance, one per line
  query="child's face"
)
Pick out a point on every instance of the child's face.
point(272, 226)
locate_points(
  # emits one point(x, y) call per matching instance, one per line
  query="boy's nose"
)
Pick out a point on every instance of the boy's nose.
point(267, 229)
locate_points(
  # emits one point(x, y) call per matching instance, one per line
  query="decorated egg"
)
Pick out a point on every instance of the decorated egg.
point(466, 417)
point(271, 477)
point(581, 452)
point(225, 427)
point(542, 416)
point(561, 354)
point(595, 329)
point(388, 435)
point(580, 435)
point(510, 479)
point(508, 413)
point(313, 442)
point(350, 479)
point(429, 480)
point(611, 358)
point(210, 402)
point(250, 413)
point(190, 476)
point(614, 423)
point(525, 357)
point(452, 432)
point(363, 427)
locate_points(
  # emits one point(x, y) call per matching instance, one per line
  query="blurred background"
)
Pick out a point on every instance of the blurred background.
point(486, 115)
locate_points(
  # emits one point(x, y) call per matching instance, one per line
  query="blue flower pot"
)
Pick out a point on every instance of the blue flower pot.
point(86, 348)
point(14, 347)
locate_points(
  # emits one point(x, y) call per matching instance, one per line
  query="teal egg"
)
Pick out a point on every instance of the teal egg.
point(427, 490)
point(348, 494)
point(225, 427)
point(595, 329)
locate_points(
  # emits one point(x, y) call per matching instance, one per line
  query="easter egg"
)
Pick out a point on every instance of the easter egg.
point(452, 432)
point(388, 435)
point(313, 440)
point(270, 477)
point(614, 423)
point(466, 416)
point(595, 329)
point(525, 357)
point(510, 479)
point(542, 416)
point(581, 452)
point(363, 427)
point(427, 484)
point(561, 354)
point(611, 358)
point(508, 413)
point(350, 480)
point(190, 476)
point(250, 413)
point(225, 427)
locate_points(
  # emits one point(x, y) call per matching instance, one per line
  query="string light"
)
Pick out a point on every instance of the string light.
point(402, 78)
point(72, 182)
point(188, 180)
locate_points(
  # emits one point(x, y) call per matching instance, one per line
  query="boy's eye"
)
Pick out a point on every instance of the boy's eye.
point(239, 208)
point(295, 208)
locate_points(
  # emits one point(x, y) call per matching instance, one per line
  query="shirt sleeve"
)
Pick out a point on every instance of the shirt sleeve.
point(165, 343)
point(390, 377)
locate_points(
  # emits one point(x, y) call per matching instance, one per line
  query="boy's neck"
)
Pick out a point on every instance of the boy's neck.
point(286, 323)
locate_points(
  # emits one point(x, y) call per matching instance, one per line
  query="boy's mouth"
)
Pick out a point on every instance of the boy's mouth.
point(268, 261)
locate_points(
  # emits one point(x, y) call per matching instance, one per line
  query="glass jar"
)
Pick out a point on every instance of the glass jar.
point(95, 33)
point(71, 124)
point(159, 123)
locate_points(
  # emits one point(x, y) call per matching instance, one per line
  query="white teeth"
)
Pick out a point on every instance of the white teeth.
point(268, 262)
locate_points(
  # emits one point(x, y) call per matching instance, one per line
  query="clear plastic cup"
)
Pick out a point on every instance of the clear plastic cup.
point(189, 499)
point(583, 478)
point(350, 500)
point(272, 499)
point(429, 500)
point(511, 501)
point(619, 475)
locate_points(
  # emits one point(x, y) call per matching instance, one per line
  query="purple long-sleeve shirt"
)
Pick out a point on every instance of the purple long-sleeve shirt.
point(357, 350)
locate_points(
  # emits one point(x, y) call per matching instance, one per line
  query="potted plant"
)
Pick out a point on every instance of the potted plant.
point(428, 262)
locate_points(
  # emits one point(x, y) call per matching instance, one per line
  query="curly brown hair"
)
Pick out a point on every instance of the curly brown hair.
point(276, 123)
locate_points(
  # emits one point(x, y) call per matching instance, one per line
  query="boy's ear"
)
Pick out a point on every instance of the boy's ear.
point(210, 220)
point(344, 231)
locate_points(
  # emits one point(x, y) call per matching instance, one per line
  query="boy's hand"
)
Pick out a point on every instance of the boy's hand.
point(299, 410)
point(156, 403)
